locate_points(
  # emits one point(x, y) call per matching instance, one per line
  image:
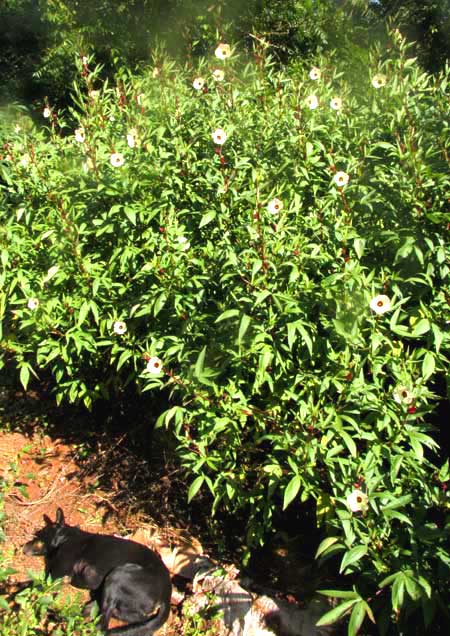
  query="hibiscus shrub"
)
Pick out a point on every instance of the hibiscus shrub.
point(271, 248)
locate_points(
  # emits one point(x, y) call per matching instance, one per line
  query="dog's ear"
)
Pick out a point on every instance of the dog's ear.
point(47, 520)
point(60, 517)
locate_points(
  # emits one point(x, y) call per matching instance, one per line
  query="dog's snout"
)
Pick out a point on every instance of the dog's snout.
point(34, 548)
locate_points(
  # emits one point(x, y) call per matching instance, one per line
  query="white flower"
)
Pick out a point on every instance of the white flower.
point(33, 303)
point(94, 94)
point(274, 206)
point(119, 327)
point(312, 102)
point(218, 74)
point(341, 179)
point(198, 83)
point(336, 103)
point(223, 51)
point(46, 112)
point(17, 128)
point(117, 159)
point(219, 136)
point(19, 213)
point(154, 365)
point(84, 60)
point(183, 241)
point(357, 500)
point(79, 135)
point(315, 73)
point(379, 80)
point(380, 304)
point(132, 139)
point(402, 395)
point(25, 161)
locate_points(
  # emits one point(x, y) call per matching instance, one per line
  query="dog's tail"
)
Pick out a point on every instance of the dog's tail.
point(144, 628)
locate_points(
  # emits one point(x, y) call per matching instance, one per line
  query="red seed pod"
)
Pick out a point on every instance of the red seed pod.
point(412, 410)
point(162, 230)
point(296, 252)
point(349, 376)
point(444, 487)
point(222, 160)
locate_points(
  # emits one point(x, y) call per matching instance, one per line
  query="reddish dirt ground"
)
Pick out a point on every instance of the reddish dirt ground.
point(40, 472)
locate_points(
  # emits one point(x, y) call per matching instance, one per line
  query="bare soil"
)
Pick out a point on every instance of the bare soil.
point(47, 462)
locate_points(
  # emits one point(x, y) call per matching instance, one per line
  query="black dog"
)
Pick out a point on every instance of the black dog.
point(128, 580)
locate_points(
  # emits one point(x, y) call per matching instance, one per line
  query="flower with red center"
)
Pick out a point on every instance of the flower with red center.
point(33, 303)
point(80, 135)
point(119, 327)
point(315, 73)
point(198, 83)
point(132, 138)
point(219, 136)
point(378, 81)
point(46, 112)
point(357, 500)
point(154, 365)
point(275, 206)
point(223, 51)
point(341, 179)
point(380, 304)
point(312, 102)
point(402, 395)
point(336, 103)
point(218, 75)
point(117, 159)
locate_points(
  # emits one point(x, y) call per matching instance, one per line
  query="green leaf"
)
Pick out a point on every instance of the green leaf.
point(200, 363)
point(324, 545)
point(335, 614)
point(245, 322)
point(423, 326)
point(207, 218)
point(340, 593)
point(291, 490)
point(428, 365)
point(398, 592)
point(352, 556)
point(24, 376)
point(349, 442)
point(229, 313)
point(357, 618)
point(195, 487)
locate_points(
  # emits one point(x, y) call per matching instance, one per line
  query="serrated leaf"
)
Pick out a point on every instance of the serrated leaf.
point(207, 218)
point(245, 322)
point(195, 487)
point(340, 594)
point(349, 442)
point(262, 296)
point(291, 490)
point(352, 556)
point(229, 313)
point(24, 376)
point(335, 614)
point(428, 365)
point(422, 327)
point(200, 362)
point(324, 545)
point(357, 618)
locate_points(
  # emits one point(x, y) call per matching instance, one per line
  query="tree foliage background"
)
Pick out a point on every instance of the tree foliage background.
point(37, 37)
